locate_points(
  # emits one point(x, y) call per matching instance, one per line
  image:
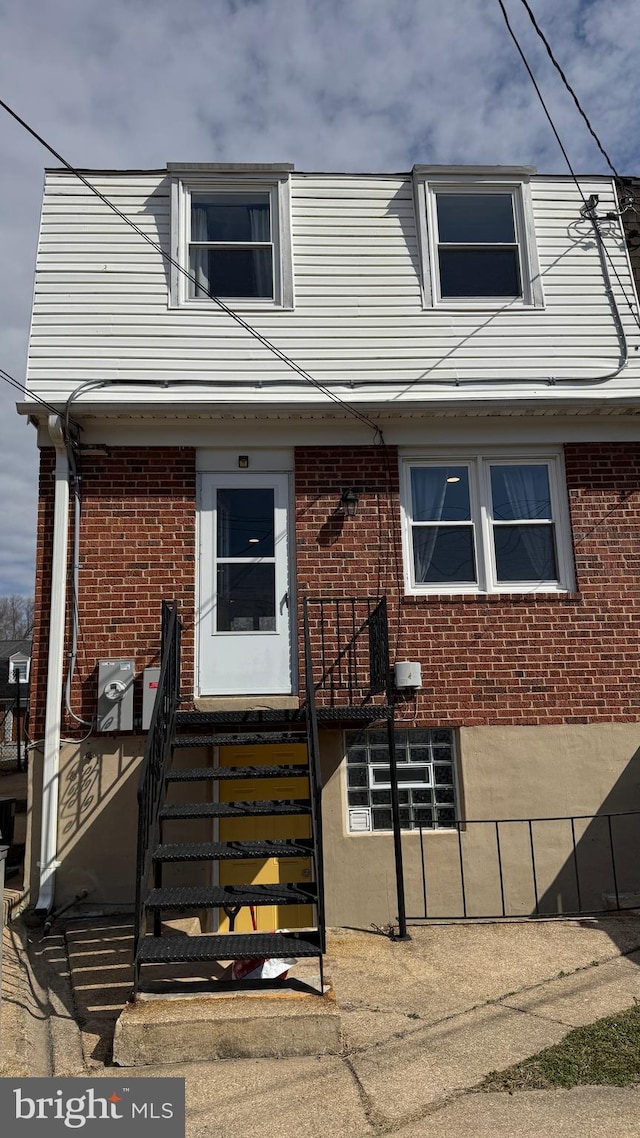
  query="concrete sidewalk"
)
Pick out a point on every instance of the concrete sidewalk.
point(423, 1023)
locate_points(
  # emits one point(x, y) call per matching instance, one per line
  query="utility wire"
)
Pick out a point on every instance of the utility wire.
point(13, 382)
point(570, 89)
point(266, 343)
point(589, 212)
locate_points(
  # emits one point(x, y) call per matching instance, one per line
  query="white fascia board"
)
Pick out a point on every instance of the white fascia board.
point(475, 171)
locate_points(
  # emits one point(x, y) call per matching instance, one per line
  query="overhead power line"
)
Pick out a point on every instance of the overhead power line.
point(570, 89)
point(15, 383)
point(588, 209)
point(266, 343)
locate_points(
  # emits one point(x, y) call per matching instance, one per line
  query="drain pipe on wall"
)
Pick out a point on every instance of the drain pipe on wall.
point(55, 672)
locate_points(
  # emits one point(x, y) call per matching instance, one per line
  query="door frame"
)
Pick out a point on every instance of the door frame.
point(262, 464)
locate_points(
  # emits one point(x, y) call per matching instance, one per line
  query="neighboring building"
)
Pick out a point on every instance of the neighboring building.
point(477, 350)
point(15, 668)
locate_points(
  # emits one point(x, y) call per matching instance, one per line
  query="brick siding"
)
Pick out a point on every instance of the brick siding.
point(137, 547)
point(534, 659)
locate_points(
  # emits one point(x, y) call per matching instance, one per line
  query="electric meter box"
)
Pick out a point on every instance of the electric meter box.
point(150, 679)
point(115, 695)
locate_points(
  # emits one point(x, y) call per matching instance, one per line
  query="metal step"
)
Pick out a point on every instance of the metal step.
point(212, 896)
point(211, 774)
point(269, 719)
point(232, 851)
point(241, 739)
point(233, 809)
point(229, 946)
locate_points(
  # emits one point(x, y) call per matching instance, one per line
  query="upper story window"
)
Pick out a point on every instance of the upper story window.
point(477, 239)
point(231, 231)
point(19, 666)
point(486, 524)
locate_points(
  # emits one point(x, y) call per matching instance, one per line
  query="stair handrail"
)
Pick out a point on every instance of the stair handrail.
point(378, 682)
point(355, 620)
point(157, 753)
point(315, 777)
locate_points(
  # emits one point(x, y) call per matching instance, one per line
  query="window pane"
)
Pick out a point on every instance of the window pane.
point(444, 794)
point(420, 795)
point(356, 754)
point(245, 523)
point(444, 553)
point(381, 797)
point(231, 272)
point(357, 776)
point(479, 272)
point(443, 773)
point(525, 553)
point(230, 217)
point(440, 493)
point(368, 783)
point(246, 598)
point(381, 819)
point(520, 492)
point(467, 218)
point(358, 797)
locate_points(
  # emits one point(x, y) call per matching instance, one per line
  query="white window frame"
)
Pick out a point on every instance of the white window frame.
point(513, 181)
point(359, 819)
point(19, 659)
point(479, 463)
point(277, 185)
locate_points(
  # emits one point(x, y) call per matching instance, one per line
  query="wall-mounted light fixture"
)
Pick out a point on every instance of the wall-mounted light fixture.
point(349, 503)
point(243, 461)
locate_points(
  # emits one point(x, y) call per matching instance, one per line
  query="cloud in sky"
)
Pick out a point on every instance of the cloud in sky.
point(363, 85)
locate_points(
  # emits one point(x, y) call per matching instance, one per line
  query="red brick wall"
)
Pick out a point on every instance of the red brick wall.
point(137, 548)
point(491, 660)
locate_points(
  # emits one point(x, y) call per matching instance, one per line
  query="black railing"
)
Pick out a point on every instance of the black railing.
point(569, 866)
point(315, 781)
point(347, 665)
point(348, 661)
point(157, 754)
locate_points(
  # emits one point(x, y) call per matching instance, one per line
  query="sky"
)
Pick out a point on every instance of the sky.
point(341, 85)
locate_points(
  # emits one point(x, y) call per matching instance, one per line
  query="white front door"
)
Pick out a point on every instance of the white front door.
point(244, 636)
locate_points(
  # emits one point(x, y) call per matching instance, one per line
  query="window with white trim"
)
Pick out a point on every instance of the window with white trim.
point(19, 667)
point(478, 241)
point(486, 523)
point(232, 235)
point(426, 764)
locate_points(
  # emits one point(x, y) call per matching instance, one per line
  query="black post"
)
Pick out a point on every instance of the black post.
point(397, 832)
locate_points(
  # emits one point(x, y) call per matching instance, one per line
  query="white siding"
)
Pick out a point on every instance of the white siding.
point(101, 303)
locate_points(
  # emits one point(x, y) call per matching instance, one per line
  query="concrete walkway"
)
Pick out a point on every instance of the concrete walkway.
point(423, 1023)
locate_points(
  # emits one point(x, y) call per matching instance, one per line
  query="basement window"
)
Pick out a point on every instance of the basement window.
point(426, 763)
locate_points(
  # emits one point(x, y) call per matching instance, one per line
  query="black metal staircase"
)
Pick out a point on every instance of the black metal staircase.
point(163, 780)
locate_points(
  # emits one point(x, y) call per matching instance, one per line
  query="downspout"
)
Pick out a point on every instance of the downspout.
point(55, 672)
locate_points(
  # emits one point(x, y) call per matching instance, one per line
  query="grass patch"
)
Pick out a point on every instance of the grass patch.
point(606, 1052)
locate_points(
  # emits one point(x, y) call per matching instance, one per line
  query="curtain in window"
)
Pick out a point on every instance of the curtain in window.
point(428, 493)
point(259, 223)
point(199, 232)
point(523, 488)
point(259, 230)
